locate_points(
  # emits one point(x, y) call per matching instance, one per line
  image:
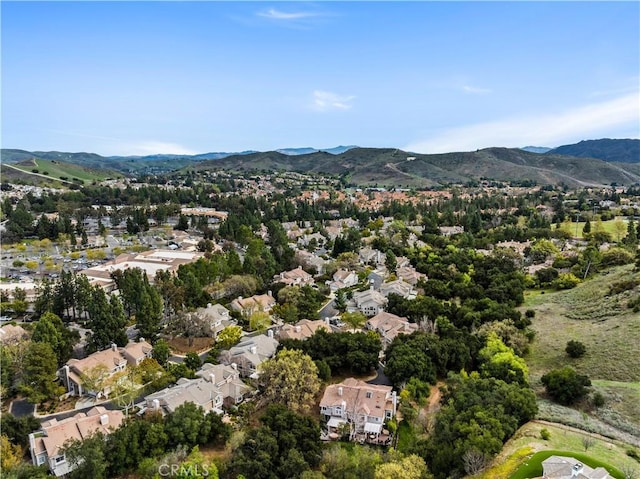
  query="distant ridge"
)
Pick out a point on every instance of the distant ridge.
point(388, 166)
point(392, 167)
point(606, 149)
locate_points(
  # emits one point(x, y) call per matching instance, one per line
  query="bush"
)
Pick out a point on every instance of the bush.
point(545, 434)
point(566, 281)
point(575, 349)
point(565, 385)
point(598, 400)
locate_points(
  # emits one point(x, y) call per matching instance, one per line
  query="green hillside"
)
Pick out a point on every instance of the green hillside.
point(53, 170)
point(393, 167)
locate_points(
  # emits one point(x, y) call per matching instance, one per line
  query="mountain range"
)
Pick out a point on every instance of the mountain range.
point(592, 162)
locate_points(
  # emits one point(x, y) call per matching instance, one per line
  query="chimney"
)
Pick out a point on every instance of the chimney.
point(114, 347)
point(298, 329)
point(576, 469)
point(104, 419)
point(254, 350)
point(339, 390)
point(141, 339)
point(156, 404)
point(212, 378)
point(234, 366)
point(269, 293)
point(208, 305)
point(270, 333)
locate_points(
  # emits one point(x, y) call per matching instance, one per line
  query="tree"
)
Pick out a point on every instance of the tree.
point(474, 461)
point(87, 457)
point(107, 321)
point(575, 349)
point(38, 382)
point(355, 320)
point(190, 325)
point(291, 378)
point(229, 337)
point(11, 454)
point(51, 330)
point(187, 426)
point(259, 321)
point(340, 302)
point(500, 361)
point(587, 442)
point(409, 467)
point(192, 361)
point(161, 352)
point(565, 385)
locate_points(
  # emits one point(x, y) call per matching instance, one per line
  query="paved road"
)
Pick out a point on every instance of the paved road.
point(328, 310)
point(381, 378)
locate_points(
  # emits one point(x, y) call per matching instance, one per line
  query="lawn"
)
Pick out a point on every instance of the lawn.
point(609, 226)
point(533, 466)
point(527, 442)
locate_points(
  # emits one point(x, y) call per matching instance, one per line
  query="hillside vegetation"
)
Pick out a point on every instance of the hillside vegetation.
point(392, 167)
point(624, 151)
point(43, 170)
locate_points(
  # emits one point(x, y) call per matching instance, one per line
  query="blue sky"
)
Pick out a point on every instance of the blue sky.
point(120, 78)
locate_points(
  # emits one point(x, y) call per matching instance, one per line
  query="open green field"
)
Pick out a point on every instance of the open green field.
point(533, 466)
point(63, 171)
point(527, 441)
point(607, 327)
point(610, 226)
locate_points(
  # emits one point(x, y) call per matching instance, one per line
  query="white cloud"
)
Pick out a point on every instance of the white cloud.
point(327, 101)
point(587, 122)
point(475, 90)
point(274, 14)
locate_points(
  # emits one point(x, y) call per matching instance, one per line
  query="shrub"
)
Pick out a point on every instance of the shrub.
point(598, 400)
point(545, 434)
point(575, 349)
point(565, 385)
point(566, 281)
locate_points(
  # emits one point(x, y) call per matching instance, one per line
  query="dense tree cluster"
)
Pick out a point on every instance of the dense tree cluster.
point(344, 353)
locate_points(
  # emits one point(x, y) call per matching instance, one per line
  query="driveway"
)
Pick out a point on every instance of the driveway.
point(21, 407)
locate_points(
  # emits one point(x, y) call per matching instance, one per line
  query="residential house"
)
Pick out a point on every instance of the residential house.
point(248, 306)
point(310, 260)
point(295, 277)
point(303, 329)
point(451, 230)
point(369, 302)
point(249, 353)
point(563, 467)
point(389, 326)
point(409, 274)
point(136, 352)
point(363, 407)
point(101, 366)
point(343, 279)
point(11, 334)
point(218, 317)
point(398, 287)
point(227, 379)
point(46, 444)
point(202, 391)
point(371, 256)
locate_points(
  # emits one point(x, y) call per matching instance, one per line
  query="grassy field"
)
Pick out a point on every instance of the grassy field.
point(527, 441)
point(609, 330)
point(609, 226)
point(64, 171)
point(533, 466)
